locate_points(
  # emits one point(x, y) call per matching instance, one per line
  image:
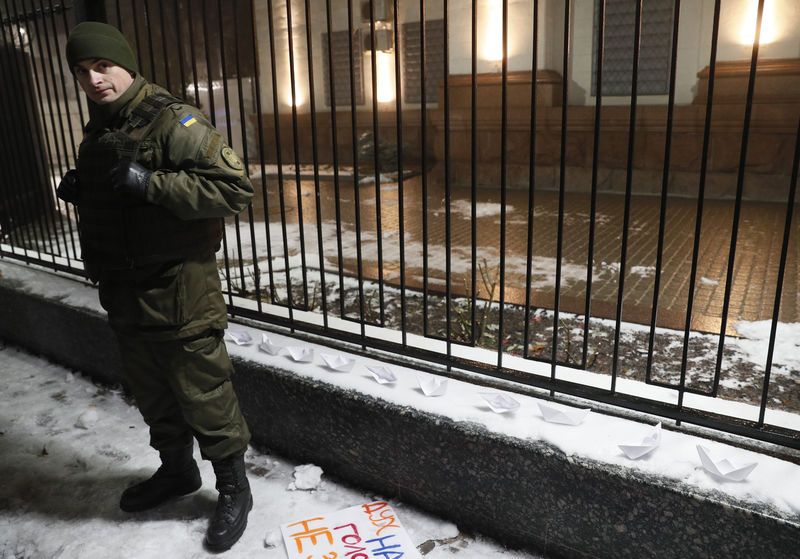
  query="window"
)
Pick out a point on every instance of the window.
point(654, 54)
point(341, 68)
point(412, 60)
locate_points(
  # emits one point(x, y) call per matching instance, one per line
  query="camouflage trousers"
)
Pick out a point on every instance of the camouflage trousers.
point(183, 389)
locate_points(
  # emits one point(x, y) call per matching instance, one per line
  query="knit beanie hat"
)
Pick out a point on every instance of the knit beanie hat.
point(92, 39)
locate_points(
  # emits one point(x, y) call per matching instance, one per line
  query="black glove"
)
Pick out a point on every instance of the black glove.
point(68, 187)
point(128, 177)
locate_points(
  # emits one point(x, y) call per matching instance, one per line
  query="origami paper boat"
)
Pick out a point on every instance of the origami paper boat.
point(648, 444)
point(382, 375)
point(724, 468)
point(338, 362)
point(500, 403)
point(240, 338)
point(433, 386)
point(267, 346)
point(563, 415)
point(301, 354)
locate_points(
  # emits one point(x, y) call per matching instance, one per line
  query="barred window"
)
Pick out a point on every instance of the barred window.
point(412, 60)
point(342, 67)
point(618, 37)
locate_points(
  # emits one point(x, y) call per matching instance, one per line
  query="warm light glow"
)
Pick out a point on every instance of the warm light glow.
point(747, 33)
point(493, 32)
point(384, 63)
point(300, 93)
point(300, 96)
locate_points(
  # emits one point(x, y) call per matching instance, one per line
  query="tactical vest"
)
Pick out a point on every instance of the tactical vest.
point(118, 231)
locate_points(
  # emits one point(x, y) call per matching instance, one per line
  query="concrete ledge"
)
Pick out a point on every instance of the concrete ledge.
point(524, 491)
point(57, 324)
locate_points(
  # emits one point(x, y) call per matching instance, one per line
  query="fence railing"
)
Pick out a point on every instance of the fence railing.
point(473, 211)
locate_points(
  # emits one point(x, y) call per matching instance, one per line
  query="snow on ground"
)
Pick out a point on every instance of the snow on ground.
point(68, 448)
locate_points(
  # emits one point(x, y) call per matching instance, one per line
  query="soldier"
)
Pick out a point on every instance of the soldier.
point(153, 181)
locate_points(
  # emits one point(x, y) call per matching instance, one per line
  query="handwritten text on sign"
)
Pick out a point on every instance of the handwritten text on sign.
point(370, 531)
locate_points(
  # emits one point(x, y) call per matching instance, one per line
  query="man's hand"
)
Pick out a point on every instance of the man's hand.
point(68, 187)
point(128, 177)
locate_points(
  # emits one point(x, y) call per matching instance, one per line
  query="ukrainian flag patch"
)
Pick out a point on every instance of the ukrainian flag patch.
point(188, 120)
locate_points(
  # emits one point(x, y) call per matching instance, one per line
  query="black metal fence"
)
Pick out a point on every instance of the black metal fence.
point(486, 219)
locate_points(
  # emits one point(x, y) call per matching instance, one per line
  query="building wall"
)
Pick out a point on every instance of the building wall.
point(780, 40)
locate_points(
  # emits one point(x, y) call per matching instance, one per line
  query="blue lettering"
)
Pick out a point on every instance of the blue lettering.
point(385, 550)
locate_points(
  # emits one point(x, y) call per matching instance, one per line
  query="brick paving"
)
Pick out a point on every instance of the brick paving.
point(754, 275)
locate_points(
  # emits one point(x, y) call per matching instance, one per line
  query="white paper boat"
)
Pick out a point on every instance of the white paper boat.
point(563, 415)
point(500, 403)
point(648, 444)
point(301, 354)
point(240, 338)
point(382, 375)
point(338, 362)
point(724, 468)
point(267, 346)
point(433, 386)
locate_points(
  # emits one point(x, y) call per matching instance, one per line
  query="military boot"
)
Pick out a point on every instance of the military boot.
point(233, 506)
point(178, 475)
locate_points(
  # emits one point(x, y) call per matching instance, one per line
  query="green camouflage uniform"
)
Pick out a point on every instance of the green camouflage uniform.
point(155, 265)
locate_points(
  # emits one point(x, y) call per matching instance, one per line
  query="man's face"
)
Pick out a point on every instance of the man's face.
point(102, 80)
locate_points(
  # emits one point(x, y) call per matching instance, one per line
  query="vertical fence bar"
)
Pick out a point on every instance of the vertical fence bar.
point(79, 102)
point(424, 132)
point(226, 107)
point(148, 28)
point(70, 239)
point(262, 157)
point(11, 201)
point(531, 180)
point(246, 157)
point(179, 38)
point(315, 160)
point(561, 189)
point(623, 260)
point(75, 86)
point(44, 215)
point(400, 172)
point(448, 257)
point(664, 186)
point(135, 19)
point(503, 184)
point(474, 172)
point(165, 52)
point(335, 147)
point(356, 194)
point(737, 208)
point(279, 159)
point(295, 134)
point(376, 160)
point(776, 308)
point(700, 205)
point(193, 56)
point(598, 110)
point(57, 171)
point(23, 208)
point(27, 75)
point(213, 116)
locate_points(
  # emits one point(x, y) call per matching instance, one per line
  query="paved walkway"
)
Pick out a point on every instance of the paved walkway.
point(754, 276)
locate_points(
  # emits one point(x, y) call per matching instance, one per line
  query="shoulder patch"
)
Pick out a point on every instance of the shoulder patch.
point(188, 120)
point(233, 160)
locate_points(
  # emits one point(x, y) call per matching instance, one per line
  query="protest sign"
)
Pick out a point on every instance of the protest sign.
point(370, 531)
